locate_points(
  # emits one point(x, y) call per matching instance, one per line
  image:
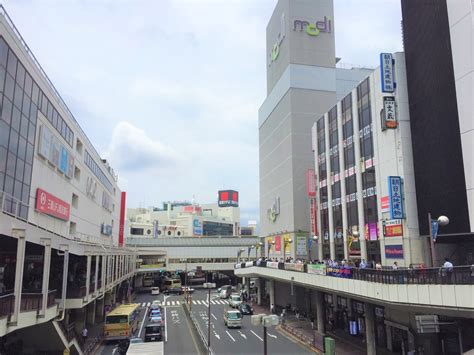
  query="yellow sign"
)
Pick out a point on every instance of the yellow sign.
point(286, 238)
point(269, 243)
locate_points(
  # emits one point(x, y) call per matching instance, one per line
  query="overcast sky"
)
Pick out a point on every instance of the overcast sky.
point(169, 90)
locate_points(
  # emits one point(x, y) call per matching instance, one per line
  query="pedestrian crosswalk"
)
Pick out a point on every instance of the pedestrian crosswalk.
point(179, 302)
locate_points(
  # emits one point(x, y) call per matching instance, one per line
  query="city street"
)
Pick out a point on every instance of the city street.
point(176, 327)
point(247, 340)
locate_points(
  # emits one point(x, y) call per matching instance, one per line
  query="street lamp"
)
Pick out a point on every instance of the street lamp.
point(241, 250)
point(285, 243)
point(257, 246)
point(266, 321)
point(433, 225)
point(311, 240)
point(209, 286)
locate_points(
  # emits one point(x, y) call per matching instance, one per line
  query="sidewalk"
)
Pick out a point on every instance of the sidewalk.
point(301, 329)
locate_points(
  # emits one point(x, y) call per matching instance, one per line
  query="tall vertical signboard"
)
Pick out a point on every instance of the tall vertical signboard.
point(123, 198)
point(311, 191)
point(395, 197)
point(386, 72)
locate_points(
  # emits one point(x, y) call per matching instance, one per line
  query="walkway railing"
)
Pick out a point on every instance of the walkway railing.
point(459, 275)
point(7, 302)
point(76, 292)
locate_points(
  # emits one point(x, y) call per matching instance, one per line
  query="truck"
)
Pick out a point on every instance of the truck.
point(153, 348)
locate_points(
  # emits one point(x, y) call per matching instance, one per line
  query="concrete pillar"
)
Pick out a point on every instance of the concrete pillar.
point(320, 312)
point(96, 287)
point(46, 270)
point(271, 292)
point(88, 275)
point(19, 234)
point(90, 316)
point(370, 329)
point(388, 332)
point(247, 284)
point(65, 250)
point(358, 165)
point(332, 248)
point(340, 138)
point(259, 291)
point(99, 310)
point(103, 261)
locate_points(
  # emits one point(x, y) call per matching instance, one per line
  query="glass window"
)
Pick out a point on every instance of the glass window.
point(11, 65)
point(370, 209)
point(18, 96)
point(9, 182)
point(17, 190)
point(20, 168)
point(3, 53)
point(33, 114)
point(20, 75)
point(24, 126)
point(27, 174)
point(21, 148)
point(9, 86)
point(28, 84)
point(29, 153)
point(31, 133)
point(26, 105)
point(2, 180)
point(49, 112)
point(16, 118)
point(11, 165)
point(25, 194)
point(2, 79)
point(35, 93)
point(7, 111)
point(3, 161)
point(4, 134)
point(13, 143)
point(44, 105)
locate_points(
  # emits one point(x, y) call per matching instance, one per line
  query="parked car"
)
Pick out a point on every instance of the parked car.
point(155, 290)
point(155, 313)
point(245, 308)
point(235, 300)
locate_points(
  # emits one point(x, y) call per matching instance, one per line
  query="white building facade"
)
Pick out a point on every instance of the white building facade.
point(59, 209)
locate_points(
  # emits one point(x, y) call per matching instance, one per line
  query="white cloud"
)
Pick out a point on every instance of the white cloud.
point(131, 149)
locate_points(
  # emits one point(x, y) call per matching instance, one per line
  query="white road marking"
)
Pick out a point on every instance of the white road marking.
point(172, 302)
point(114, 351)
point(194, 302)
point(148, 304)
point(256, 335)
point(271, 335)
point(213, 302)
point(230, 335)
point(143, 322)
point(198, 302)
point(143, 304)
point(213, 316)
point(217, 336)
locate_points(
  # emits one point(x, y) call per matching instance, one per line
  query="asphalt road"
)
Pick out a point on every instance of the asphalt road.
point(177, 335)
point(247, 340)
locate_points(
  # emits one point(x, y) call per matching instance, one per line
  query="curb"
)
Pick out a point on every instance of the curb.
point(295, 339)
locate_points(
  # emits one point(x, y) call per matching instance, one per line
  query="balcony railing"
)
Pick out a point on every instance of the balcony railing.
point(76, 292)
point(51, 298)
point(7, 302)
point(31, 301)
point(458, 275)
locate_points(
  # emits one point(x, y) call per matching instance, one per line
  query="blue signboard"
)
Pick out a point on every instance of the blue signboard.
point(64, 160)
point(386, 72)
point(395, 197)
point(394, 251)
point(197, 227)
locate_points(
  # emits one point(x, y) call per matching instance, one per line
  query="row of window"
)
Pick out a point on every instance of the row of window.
point(148, 232)
point(201, 260)
point(22, 90)
point(97, 171)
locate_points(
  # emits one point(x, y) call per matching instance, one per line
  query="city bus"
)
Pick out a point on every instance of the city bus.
point(171, 283)
point(122, 322)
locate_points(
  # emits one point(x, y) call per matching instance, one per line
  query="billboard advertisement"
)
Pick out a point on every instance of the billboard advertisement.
point(301, 244)
point(51, 205)
point(395, 197)
point(394, 251)
point(278, 244)
point(393, 228)
point(311, 183)
point(197, 227)
point(123, 198)
point(228, 198)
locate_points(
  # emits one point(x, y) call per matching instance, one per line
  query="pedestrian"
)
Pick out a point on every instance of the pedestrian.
point(272, 309)
point(378, 266)
point(363, 264)
point(395, 266)
point(448, 265)
point(312, 322)
point(84, 334)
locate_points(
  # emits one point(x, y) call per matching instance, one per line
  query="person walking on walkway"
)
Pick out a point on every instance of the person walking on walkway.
point(84, 334)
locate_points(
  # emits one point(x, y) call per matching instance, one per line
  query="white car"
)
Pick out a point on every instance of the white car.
point(235, 301)
point(155, 290)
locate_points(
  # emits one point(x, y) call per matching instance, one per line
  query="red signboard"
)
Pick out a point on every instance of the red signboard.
point(313, 214)
point(393, 228)
point(384, 204)
point(278, 243)
point(192, 209)
point(122, 218)
point(228, 198)
point(51, 205)
point(311, 183)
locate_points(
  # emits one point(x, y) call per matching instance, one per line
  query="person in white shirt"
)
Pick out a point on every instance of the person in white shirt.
point(448, 265)
point(395, 266)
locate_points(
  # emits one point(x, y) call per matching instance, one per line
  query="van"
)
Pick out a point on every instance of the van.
point(153, 332)
point(233, 318)
point(235, 300)
point(225, 291)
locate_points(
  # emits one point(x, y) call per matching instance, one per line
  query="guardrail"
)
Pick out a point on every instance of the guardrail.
point(7, 302)
point(197, 330)
point(459, 275)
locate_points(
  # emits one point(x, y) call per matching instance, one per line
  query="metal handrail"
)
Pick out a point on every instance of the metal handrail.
point(48, 80)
